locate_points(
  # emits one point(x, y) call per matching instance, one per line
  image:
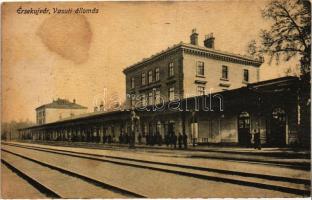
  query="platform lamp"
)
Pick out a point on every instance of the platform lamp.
point(194, 127)
point(134, 120)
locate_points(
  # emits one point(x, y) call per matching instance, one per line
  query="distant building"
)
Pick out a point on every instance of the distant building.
point(186, 70)
point(58, 109)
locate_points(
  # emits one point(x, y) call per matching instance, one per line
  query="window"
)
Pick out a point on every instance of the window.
point(157, 96)
point(200, 90)
point(225, 72)
point(244, 120)
point(171, 93)
point(246, 75)
point(157, 74)
point(150, 98)
point(143, 79)
point(150, 76)
point(132, 101)
point(171, 69)
point(132, 83)
point(143, 100)
point(200, 70)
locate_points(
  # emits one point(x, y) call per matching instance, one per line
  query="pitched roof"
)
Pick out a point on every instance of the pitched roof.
point(86, 116)
point(213, 53)
point(62, 104)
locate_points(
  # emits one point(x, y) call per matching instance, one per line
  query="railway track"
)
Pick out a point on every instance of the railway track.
point(288, 185)
point(242, 157)
point(42, 176)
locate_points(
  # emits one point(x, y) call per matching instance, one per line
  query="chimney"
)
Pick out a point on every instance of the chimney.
point(194, 37)
point(209, 41)
point(74, 100)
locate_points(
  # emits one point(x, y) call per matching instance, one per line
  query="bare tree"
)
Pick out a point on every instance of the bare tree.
point(289, 35)
point(9, 130)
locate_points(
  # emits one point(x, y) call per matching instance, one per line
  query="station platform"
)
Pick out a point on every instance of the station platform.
point(298, 159)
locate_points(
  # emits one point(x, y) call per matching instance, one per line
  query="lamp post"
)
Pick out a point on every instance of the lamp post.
point(194, 127)
point(134, 119)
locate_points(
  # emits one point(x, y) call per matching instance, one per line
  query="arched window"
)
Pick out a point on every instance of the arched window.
point(244, 120)
point(279, 114)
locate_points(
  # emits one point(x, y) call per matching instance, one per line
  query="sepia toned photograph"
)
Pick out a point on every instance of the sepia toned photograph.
point(156, 99)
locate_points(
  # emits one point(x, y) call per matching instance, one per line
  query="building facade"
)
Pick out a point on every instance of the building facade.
point(213, 97)
point(187, 70)
point(269, 106)
point(57, 110)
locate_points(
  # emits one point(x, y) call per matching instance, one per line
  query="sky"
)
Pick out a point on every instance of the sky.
point(77, 56)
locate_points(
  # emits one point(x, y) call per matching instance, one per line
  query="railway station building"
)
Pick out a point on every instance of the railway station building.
point(58, 109)
point(214, 97)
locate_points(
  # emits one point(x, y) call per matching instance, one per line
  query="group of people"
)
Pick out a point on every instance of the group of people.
point(124, 138)
point(152, 139)
point(172, 140)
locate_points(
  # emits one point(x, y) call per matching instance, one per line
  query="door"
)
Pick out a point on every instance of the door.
point(244, 137)
point(278, 127)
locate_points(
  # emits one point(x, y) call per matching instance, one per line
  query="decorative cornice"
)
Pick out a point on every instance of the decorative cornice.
point(221, 56)
point(153, 58)
point(199, 51)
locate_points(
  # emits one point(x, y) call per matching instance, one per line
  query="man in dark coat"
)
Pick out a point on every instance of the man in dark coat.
point(170, 140)
point(153, 139)
point(166, 139)
point(147, 137)
point(184, 138)
point(159, 138)
point(257, 141)
point(139, 138)
point(109, 139)
point(120, 138)
point(104, 139)
point(126, 138)
point(180, 140)
point(174, 140)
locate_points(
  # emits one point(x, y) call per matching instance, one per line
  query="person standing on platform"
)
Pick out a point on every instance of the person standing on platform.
point(104, 138)
point(180, 140)
point(166, 139)
point(184, 138)
point(126, 140)
point(147, 139)
point(174, 140)
point(139, 138)
point(160, 140)
point(120, 138)
point(257, 141)
point(153, 139)
point(170, 140)
point(109, 139)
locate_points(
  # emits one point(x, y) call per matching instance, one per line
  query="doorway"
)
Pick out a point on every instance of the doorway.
point(278, 127)
point(244, 137)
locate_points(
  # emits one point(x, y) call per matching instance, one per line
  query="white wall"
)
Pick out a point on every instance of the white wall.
point(213, 73)
point(53, 114)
